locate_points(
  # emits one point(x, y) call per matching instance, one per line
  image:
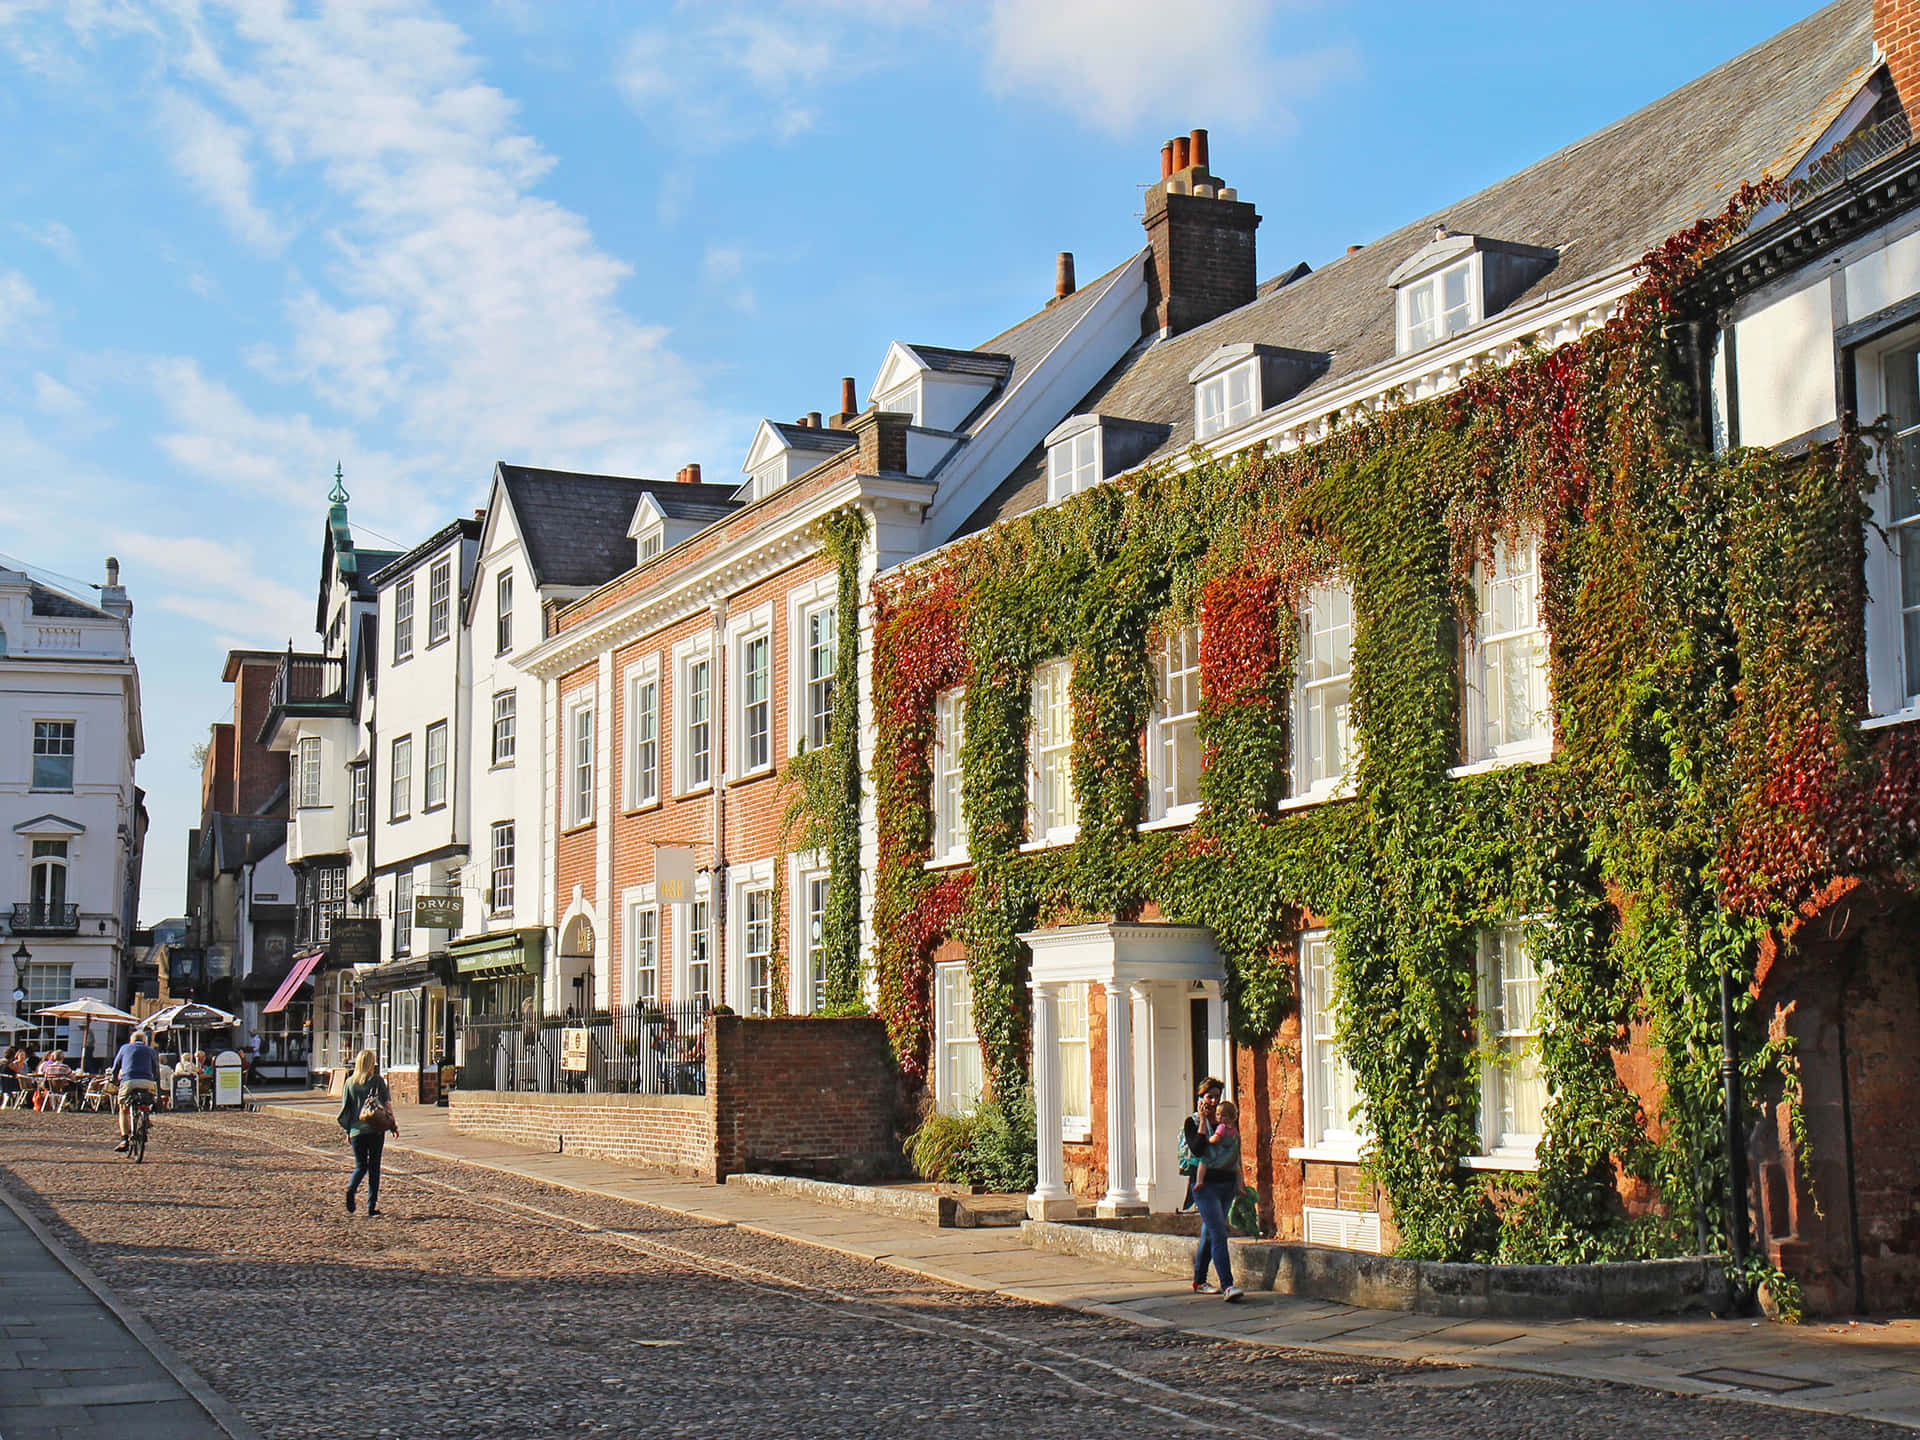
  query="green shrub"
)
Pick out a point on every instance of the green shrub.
point(1000, 1155)
point(936, 1149)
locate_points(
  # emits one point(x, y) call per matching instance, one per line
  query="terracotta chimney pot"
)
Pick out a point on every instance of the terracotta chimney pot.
point(1198, 142)
point(1063, 285)
point(1182, 153)
point(1166, 160)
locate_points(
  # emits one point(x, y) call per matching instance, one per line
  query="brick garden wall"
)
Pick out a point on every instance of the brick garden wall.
point(804, 1096)
point(797, 1096)
point(667, 1132)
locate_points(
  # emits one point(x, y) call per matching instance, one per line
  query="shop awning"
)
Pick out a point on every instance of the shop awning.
point(303, 966)
point(508, 952)
point(401, 975)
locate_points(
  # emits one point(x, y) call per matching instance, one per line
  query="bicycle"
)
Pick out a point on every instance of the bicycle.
point(140, 1102)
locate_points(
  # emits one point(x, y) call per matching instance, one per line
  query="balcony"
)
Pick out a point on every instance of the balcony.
point(37, 917)
point(305, 686)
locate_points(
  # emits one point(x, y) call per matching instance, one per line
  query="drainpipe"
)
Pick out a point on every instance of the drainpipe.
point(717, 885)
point(1850, 962)
point(1737, 1220)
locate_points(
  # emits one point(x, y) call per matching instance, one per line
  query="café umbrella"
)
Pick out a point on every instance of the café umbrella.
point(190, 1016)
point(87, 1011)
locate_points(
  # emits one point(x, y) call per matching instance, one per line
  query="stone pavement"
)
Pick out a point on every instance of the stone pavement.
point(1869, 1369)
point(76, 1365)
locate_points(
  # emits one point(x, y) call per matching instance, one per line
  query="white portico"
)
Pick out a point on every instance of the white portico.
point(1166, 1015)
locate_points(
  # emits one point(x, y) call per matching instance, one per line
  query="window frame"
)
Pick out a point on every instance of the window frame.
point(751, 750)
point(403, 912)
point(1319, 1029)
point(806, 950)
point(439, 602)
point(693, 947)
point(507, 754)
point(503, 612)
point(50, 894)
point(947, 775)
point(754, 941)
point(687, 697)
point(640, 942)
point(1076, 463)
point(1050, 761)
point(1163, 747)
point(400, 779)
point(1076, 1052)
point(951, 1040)
point(641, 761)
point(1225, 412)
point(1497, 1145)
point(1306, 786)
point(1484, 645)
point(360, 798)
point(1892, 675)
point(580, 760)
point(403, 620)
point(71, 754)
point(1473, 306)
point(818, 687)
point(307, 759)
point(501, 838)
point(434, 776)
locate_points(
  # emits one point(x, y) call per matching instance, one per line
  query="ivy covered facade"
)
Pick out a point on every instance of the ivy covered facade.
point(1409, 688)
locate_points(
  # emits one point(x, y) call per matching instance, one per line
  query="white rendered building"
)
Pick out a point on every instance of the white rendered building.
point(69, 811)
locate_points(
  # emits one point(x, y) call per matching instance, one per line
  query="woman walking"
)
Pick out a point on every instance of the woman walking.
point(1215, 1184)
point(366, 1114)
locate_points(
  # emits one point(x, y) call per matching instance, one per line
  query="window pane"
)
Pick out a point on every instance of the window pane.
point(1239, 395)
point(1051, 806)
point(1175, 738)
point(1515, 1089)
point(1076, 1071)
point(958, 1058)
point(1456, 299)
point(949, 818)
point(53, 746)
point(1331, 1117)
point(1326, 665)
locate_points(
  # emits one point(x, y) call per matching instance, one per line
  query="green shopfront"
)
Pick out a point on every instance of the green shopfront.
point(495, 983)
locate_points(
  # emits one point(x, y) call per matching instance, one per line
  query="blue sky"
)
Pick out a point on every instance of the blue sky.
point(239, 243)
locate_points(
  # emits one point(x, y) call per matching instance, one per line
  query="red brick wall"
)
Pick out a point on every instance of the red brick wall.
point(216, 772)
point(667, 1132)
point(1203, 258)
point(1896, 27)
point(1867, 977)
point(805, 1096)
point(258, 771)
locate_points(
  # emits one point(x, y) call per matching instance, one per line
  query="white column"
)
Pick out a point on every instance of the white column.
point(1122, 1197)
point(1050, 1199)
point(1145, 1150)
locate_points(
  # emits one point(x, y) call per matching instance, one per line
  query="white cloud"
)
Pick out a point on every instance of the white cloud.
point(20, 305)
point(53, 398)
point(55, 236)
point(217, 584)
point(213, 156)
point(1115, 64)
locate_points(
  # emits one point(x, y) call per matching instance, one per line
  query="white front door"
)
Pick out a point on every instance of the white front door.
point(1172, 1083)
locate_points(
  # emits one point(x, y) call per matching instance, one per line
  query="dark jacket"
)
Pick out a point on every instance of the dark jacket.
point(354, 1098)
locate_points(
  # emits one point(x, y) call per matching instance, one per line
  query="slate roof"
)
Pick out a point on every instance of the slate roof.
point(574, 526)
point(805, 437)
point(1601, 202)
point(965, 362)
point(56, 604)
point(236, 840)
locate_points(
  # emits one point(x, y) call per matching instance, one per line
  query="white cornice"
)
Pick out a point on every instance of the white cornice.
point(765, 552)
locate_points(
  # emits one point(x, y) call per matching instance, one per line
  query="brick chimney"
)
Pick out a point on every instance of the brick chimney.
point(688, 474)
point(849, 403)
point(1202, 238)
point(1896, 34)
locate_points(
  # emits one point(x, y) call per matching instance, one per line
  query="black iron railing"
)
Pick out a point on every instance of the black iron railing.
point(652, 1050)
point(37, 917)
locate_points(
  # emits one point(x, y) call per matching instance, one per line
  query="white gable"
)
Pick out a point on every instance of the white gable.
point(647, 515)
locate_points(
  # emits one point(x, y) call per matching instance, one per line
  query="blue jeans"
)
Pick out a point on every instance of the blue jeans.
point(1212, 1200)
point(366, 1154)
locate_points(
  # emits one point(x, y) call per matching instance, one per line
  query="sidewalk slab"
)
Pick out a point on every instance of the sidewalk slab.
point(1871, 1369)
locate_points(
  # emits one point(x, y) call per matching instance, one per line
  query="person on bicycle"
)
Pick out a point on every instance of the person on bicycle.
point(136, 1067)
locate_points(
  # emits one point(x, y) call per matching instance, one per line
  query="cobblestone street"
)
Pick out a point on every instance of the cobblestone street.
point(481, 1305)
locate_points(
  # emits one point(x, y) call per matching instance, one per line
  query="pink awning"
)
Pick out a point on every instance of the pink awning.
point(296, 977)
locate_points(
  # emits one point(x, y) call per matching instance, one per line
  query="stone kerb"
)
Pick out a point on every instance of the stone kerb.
point(1389, 1282)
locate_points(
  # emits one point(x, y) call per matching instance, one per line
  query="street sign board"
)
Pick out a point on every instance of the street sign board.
point(673, 874)
point(438, 912)
point(354, 940)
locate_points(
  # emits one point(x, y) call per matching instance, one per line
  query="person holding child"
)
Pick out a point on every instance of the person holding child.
point(1216, 1183)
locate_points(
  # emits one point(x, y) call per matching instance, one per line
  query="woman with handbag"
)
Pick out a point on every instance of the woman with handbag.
point(366, 1114)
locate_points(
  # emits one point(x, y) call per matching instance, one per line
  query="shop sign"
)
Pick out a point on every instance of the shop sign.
point(438, 912)
point(573, 1049)
point(673, 874)
point(354, 940)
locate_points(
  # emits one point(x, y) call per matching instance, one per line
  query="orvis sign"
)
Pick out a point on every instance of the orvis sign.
point(437, 912)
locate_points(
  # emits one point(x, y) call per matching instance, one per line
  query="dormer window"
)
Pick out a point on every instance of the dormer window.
point(649, 544)
point(1453, 282)
point(1226, 400)
point(1083, 450)
point(1438, 306)
point(1073, 464)
point(1236, 382)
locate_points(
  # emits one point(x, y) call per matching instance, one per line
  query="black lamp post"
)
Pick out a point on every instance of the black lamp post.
point(20, 959)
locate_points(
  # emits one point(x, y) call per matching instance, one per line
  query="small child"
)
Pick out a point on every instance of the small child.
point(1226, 1127)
